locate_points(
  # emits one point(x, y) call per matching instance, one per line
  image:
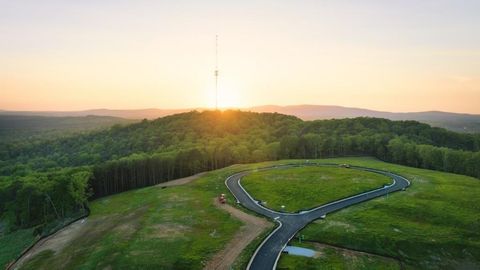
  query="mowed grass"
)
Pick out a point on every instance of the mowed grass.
point(302, 188)
point(435, 224)
point(149, 228)
point(334, 258)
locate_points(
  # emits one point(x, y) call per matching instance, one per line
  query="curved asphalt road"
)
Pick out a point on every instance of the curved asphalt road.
point(267, 254)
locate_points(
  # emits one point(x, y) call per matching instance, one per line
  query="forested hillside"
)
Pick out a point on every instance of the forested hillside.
point(27, 127)
point(70, 170)
point(458, 122)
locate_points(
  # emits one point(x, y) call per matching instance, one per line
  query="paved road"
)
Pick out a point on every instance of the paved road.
point(267, 254)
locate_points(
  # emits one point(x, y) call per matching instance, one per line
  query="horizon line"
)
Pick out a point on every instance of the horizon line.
point(233, 108)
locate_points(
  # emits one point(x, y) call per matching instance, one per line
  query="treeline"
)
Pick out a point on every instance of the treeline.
point(43, 180)
point(24, 157)
point(386, 147)
point(40, 198)
point(413, 131)
point(144, 170)
point(402, 151)
point(141, 170)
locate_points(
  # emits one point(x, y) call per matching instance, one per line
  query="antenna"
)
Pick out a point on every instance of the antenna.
point(216, 72)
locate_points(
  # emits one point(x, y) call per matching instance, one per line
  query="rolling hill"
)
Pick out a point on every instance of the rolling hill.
point(180, 227)
point(17, 127)
point(128, 114)
point(74, 169)
point(458, 122)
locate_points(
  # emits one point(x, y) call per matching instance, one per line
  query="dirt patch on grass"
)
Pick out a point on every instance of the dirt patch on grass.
point(253, 227)
point(55, 242)
point(175, 198)
point(85, 232)
point(181, 181)
point(348, 253)
point(348, 227)
point(169, 230)
point(124, 225)
point(126, 229)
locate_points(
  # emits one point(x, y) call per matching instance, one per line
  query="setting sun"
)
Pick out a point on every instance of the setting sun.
point(229, 96)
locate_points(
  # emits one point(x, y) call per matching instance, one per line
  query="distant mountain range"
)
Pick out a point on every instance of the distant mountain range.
point(128, 114)
point(459, 122)
point(21, 127)
point(454, 121)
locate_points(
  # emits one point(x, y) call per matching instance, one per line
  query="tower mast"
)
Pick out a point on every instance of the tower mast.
point(216, 72)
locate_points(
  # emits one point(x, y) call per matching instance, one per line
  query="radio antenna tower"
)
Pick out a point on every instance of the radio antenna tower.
point(216, 72)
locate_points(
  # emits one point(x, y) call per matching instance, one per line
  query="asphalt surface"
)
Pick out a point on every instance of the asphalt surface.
point(267, 254)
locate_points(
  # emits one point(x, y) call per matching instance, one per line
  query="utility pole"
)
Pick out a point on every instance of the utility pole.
point(216, 72)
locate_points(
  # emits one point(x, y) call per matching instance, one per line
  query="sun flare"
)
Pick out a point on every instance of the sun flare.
point(228, 97)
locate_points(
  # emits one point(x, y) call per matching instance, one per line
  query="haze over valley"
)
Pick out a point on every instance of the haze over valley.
point(460, 122)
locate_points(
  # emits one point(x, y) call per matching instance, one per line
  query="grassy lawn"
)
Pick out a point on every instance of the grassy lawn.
point(12, 244)
point(149, 228)
point(435, 224)
point(303, 188)
point(333, 258)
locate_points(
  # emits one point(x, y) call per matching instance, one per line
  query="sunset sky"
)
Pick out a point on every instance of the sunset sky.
point(385, 55)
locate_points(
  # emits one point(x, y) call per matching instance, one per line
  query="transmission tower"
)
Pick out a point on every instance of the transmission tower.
point(216, 72)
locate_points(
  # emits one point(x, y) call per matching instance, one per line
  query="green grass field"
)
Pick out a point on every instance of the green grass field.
point(334, 258)
point(153, 228)
point(303, 188)
point(435, 224)
point(149, 228)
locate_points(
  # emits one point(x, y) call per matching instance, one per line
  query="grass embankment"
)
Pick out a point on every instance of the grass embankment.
point(435, 224)
point(149, 228)
point(303, 188)
point(12, 244)
point(334, 258)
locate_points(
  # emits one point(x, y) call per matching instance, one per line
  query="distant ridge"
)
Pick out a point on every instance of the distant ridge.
point(313, 112)
point(459, 122)
point(150, 113)
point(24, 127)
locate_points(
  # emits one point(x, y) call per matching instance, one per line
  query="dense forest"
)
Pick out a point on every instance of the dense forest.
point(25, 127)
point(48, 179)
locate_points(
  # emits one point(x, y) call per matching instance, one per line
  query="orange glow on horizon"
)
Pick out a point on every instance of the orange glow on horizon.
point(89, 55)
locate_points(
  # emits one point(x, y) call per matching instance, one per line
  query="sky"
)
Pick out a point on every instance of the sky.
point(396, 55)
